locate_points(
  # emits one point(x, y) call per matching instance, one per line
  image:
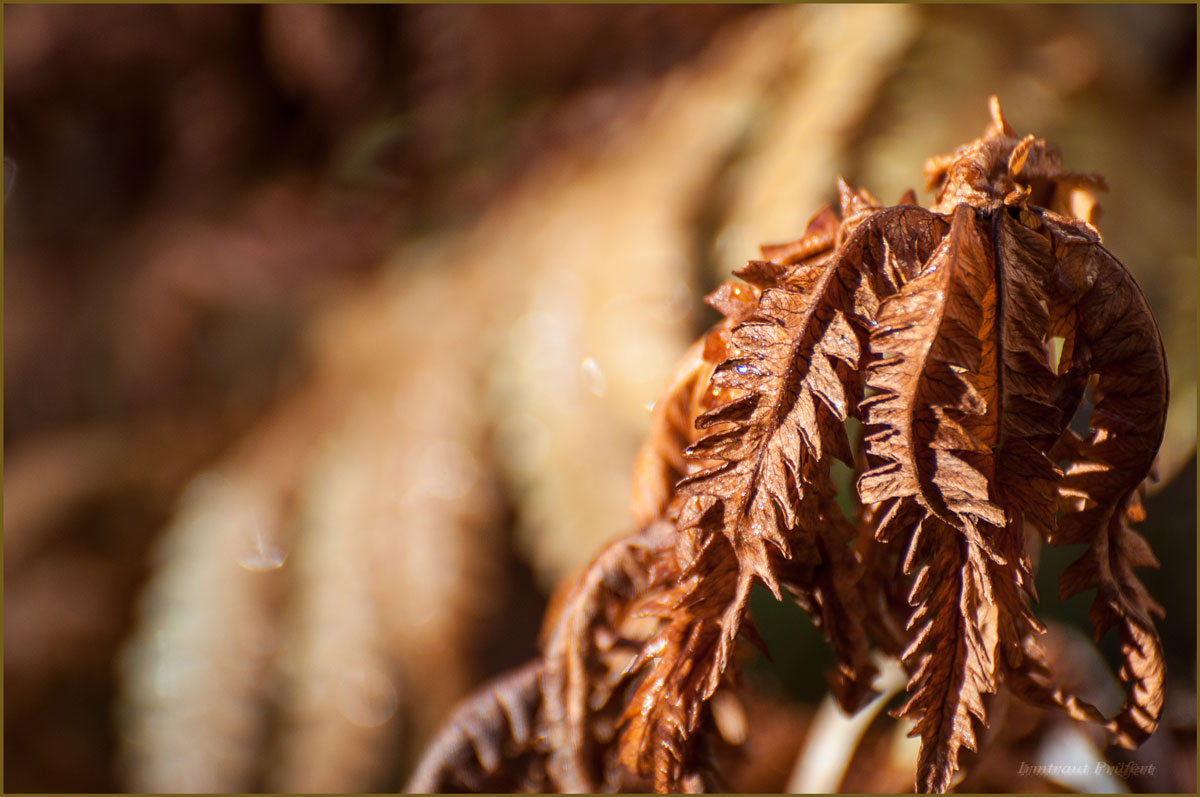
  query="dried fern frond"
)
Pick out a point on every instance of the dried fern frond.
point(489, 742)
point(937, 329)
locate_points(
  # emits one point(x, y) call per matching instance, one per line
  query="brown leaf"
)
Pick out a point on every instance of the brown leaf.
point(659, 462)
point(1116, 339)
point(930, 376)
point(964, 338)
point(953, 654)
point(930, 427)
point(489, 741)
point(685, 664)
point(574, 666)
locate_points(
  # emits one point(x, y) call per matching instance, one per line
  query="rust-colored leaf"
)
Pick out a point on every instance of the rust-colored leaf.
point(964, 337)
point(489, 743)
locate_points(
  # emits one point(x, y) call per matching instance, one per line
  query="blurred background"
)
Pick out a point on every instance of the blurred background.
point(330, 333)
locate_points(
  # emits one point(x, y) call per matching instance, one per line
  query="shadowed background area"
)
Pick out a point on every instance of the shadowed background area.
point(330, 333)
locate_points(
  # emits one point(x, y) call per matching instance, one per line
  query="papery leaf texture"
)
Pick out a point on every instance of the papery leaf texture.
point(963, 338)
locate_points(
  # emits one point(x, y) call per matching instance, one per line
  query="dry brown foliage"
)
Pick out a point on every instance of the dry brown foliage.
point(964, 338)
